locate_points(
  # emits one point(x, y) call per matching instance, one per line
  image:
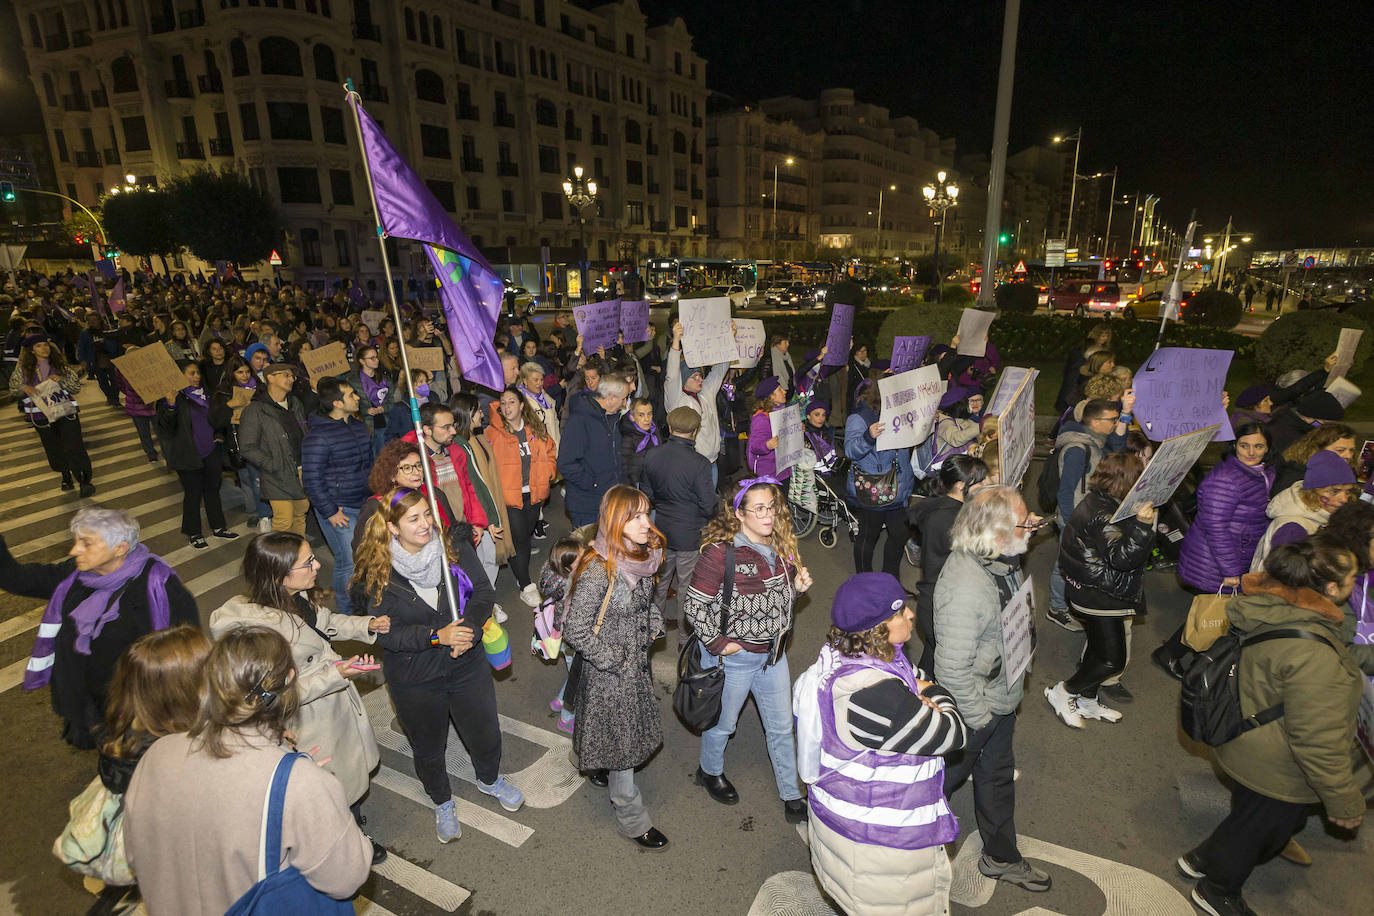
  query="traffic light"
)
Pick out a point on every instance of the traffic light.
point(1004, 238)
point(6, 190)
point(111, 252)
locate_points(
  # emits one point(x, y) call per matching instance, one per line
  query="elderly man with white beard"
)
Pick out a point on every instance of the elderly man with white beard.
point(980, 577)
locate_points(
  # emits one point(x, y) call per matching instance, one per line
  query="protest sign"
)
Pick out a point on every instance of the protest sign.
point(1165, 471)
point(598, 323)
point(1179, 389)
point(373, 319)
point(838, 337)
point(1345, 354)
point(910, 402)
point(973, 332)
point(909, 352)
point(331, 359)
point(152, 372)
point(634, 320)
point(706, 336)
point(787, 426)
point(1017, 647)
point(238, 399)
point(1342, 390)
point(431, 359)
point(1007, 385)
point(56, 403)
point(1016, 431)
point(749, 342)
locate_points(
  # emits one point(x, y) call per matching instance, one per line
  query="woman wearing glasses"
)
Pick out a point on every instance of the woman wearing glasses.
point(280, 570)
point(372, 386)
point(749, 543)
point(398, 465)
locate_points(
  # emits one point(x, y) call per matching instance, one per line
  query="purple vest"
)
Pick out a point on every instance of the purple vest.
point(891, 800)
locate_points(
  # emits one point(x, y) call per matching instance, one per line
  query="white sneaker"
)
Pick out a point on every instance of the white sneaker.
point(264, 526)
point(1065, 705)
point(498, 613)
point(530, 595)
point(1092, 708)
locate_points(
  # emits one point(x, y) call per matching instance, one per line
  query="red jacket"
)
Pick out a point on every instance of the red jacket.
point(473, 513)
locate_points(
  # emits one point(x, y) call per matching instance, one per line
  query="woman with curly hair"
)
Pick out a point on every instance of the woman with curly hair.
point(749, 551)
point(1331, 437)
point(398, 465)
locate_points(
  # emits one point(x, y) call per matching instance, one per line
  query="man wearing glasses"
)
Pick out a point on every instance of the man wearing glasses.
point(336, 456)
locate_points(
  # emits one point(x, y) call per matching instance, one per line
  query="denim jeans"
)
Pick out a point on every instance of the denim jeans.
point(772, 690)
point(249, 483)
point(340, 541)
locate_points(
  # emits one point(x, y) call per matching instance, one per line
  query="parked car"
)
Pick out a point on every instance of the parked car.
point(1090, 297)
point(739, 298)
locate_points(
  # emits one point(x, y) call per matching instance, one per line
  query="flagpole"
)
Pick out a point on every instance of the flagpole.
point(353, 99)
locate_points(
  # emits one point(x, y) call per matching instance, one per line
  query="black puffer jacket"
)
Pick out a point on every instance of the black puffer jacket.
point(1104, 564)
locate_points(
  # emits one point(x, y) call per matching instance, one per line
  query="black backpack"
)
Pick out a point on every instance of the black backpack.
point(1210, 707)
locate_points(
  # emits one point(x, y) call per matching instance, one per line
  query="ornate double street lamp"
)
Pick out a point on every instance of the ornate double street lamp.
point(581, 194)
point(940, 197)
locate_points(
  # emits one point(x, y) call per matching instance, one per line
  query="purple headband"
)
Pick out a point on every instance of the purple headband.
point(744, 486)
point(401, 493)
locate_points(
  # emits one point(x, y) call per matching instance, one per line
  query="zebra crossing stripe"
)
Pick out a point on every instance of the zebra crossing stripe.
point(478, 818)
point(422, 883)
point(145, 485)
point(11, 676)
point(364, 907)
point(145, 533)
point(16, 436)
point(21, 624)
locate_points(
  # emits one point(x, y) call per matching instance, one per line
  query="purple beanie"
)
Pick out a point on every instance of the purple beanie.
point(956, 394)
point(1327, 469)
point(1252, 396)
point(865, 600)
point(766, 387)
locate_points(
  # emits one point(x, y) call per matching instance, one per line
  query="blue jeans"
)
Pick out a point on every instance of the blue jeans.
point(249, 482)
point(772, 690)
point(340, 541)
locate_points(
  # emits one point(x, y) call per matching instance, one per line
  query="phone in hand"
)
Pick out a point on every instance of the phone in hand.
point(356, 666)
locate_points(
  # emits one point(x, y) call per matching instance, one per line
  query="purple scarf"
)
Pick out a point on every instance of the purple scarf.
point(97, 609)
point(539, 398)
point(464, 587)
point(650, 438)
point(196, 396)
point(376, 394)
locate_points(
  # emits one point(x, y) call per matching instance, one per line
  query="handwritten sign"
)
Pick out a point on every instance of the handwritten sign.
point(706, 336)
point(1345, 353)
point(598, 323)
point(431, 359)
point(1179, 389)
point(838, 337)
point(1342, 390)
point(909, 352)
point(634, 320)
point(331, 359)
point(1007, 385)
point(1165, 471)
point(50, 397)
point(787, 426)
point(973, 332)
point(1017, 647)
point(152, 372)
point(749, 342)
point(910, 402)
point(1016, 431)
point(373, 319)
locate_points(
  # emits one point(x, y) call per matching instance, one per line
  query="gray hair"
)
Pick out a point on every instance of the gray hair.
point(113, 526)
point(1291, 377)
point(987, 522)
point(266, 338)
point(613, 385)
point(531, 368)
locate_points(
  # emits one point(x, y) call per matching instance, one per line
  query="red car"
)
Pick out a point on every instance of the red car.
point(1088, 297)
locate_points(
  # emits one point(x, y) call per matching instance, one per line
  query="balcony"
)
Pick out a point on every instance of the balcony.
point(190, 19)
point(86, 159)
point(99, 99)
point(696, 193)
point(221, 146)
point(81, 38)
point(700, 230)
point(190, 149)
point(545, 118)
point(506, 8)
point(572, 133)
point(368, 31)
point(160, 24)
point(659, 225)
point(506, 68)
point(210, 82)
point(466, 112)
point(508, 169)
point(503, 119)
point(654, 187)
point(605, 43)
point(111, 157)
point(374, 93)
point(176, 89)
point(575, 87)
point(472, 163)
point(575, 32)
point(470, 59)
point(601, 140)
point(57, 42)
point(792, 179)
point(76, 101)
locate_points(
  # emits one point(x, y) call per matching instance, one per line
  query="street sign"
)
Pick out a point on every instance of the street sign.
point(1158, 268)
point(1054, 252)
point(1020, 268)
point(274, 259)
point(1309, 262)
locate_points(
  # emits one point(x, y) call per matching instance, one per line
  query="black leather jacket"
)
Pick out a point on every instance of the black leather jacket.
point(1104, 564)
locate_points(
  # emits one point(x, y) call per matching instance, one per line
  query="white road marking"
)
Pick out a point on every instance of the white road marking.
point(364, 907)
point(21, 624)
point(470, 815)
point(16, 437)
point(151, 485)
point(423, 884)
point(145, 533)
point(12, 675)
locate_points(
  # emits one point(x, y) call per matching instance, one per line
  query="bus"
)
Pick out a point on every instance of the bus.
point(667, 278)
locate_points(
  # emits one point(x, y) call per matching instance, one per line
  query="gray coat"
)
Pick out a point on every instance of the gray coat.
point(264, 442)
point(969, 597)
point(618, 725)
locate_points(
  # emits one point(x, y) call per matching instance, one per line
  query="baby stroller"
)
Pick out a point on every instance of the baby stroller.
point(833, 513)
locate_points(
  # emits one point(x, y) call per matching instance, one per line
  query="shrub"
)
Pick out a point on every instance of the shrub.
point(1214, 308)
point(1301, 340)
point(1042, 339)
point(939, 320)
point(1021, 298)
point(951, 295)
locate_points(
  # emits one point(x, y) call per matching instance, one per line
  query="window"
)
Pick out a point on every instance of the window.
point(341, 187)
point(280, 56)
point(507, 200)
point(434, 142)
point(342, 250)
point(332, 124)
point(257, 177)
point(539, 12)
point(474, 197)
point(49, 91)
point(324, 63)
point(443, 192)
point(410, 24)
point(632, 132)
point(438, 33)
point(248, 117)
point(548, 159)
point(677, 63)
point(299, 185)
point(135, 134)
point(238, 58)
point(546, 113)
point(288, 120)
point(71, 191)
point(61, 142)
point(634, 172)
point(634, 211)
point(679, 179)
point(424, 29)
point(679, 217)
point(551, 205)
point(428, 86)
point(310, 248)
point(629, 45)
point(125, 78)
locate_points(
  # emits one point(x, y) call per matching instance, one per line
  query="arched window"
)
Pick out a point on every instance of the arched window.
point(424, 29)
point(409, 17)
point(125, 78)
point(324, 63)
point(280, 56)
point(238, 58)
point(438, 32)
point(632, 133)
point(679, 142)
point(429, 87)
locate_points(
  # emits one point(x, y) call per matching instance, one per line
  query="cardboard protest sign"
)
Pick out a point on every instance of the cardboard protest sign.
point(373, 319)
point(239, 399)
point(1165, 471)
point(431, 359)
point(1345, 353)
point(634, 320)
point(749, 342)
point(331, 359)
point(909, 352)
point(152, 372)
point(910, 402)
point(1179, 389)
point(787, 426)
point(1017, 648)
point(706, 336)
point(973, 331)
point(598, 323)
point(838, 337)
point(1016, 431)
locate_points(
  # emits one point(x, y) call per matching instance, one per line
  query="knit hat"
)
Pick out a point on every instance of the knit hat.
point(684, 420)
point(37, 339)
point(1320, 405)
point(766, 387)
point(255, 348)
point(1327, 469)
point(1252, 395)
point(688, 371)
point(865, 600)
point(956, 394)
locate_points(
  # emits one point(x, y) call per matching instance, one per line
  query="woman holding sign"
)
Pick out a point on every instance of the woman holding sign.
point(53, 411)
point(880, 483)
point(762, 453)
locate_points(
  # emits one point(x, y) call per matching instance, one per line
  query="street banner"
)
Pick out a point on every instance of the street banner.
point(910, 402)
point(909, 352)
point(331, 359)
point(1007, 384)
point(1165, 471)
point(634, 320)
point(373, 319)
point(973, 332)
point(1342, 390)
point(749, 342)
point(840, 334)
point(152, 372)
point(598, 323)
point(1179, 389)
point(1345, 353)
point(787, 426)
point(1017, 645)
point(706, 336)
point(1016, 432)
point(431, 359)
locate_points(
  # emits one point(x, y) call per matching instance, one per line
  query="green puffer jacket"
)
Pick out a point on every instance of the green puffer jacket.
point(1305, 755)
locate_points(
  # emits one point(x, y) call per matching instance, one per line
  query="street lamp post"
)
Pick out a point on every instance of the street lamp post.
point(788, 161)
point(1077, 138)
point(581, 193)
point(891, 187)
point(940, 197)
point(1111, 202)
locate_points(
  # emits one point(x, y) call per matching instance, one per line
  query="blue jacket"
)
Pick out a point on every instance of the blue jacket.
point(589, 455)
point(336, 457)
point(862, 451)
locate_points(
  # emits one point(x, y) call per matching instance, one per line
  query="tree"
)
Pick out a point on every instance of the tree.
point(137, 222)
point(220, 216)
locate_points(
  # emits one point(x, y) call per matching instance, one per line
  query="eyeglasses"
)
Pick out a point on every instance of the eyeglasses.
point(408, 468)
point(308, 564)
point(762, 511)
point(1035, 526)
point(1112, 419)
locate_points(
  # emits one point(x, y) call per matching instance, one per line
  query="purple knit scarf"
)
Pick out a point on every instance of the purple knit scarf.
point(650, 439)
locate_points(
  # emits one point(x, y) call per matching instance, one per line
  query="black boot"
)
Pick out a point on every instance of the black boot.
point(87, 488)
point(67, 483)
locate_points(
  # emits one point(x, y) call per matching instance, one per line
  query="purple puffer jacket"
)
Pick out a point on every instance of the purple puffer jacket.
point(762, 459)
point(1230, 522)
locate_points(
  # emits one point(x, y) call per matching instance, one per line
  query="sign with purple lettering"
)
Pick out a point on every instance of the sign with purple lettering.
point(909, 352)
point(708, 337)
point(634, 321)
point(598, 323)
point(1179, 389)
point(1166, 470)
point(910, 401)
point(838, 337)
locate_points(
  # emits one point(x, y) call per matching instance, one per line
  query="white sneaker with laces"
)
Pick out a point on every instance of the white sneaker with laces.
point(499, 613)
point(1092, 708)
point(1065, 705)
point(530, 595)
point(264, 526)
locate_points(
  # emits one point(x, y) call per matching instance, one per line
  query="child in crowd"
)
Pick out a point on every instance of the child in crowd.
point(546, 643)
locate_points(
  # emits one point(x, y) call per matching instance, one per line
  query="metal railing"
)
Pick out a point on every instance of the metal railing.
point(190, 149)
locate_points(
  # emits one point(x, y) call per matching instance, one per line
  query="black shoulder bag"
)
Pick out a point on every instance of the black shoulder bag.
point(696, 700)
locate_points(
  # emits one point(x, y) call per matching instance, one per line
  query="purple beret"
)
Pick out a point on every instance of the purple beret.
point(1327, 469)
point(36, 339)
point(818, 404)
point(766, 387)
point(865, 600)
point(956, 394)
point(1252, 396)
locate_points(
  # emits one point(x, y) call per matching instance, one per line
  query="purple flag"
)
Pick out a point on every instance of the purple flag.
point(95, 294)
point(118, 301)
point(470, 292)
point(837, 338)
point(106, 268)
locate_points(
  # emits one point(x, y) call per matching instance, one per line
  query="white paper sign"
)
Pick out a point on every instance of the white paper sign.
point(973, 331)
point(787, 426)
point(1016, 633)
point(706, 336)
point(1007, 384)
point(1345, 353)
point(1165, 471)
point(373, 319)
point(910, 402)
point(1342, 390)
point(750, 340)
point(1016, 431)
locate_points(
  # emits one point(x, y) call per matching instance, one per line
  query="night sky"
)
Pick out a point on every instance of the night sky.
point(1262, 110)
